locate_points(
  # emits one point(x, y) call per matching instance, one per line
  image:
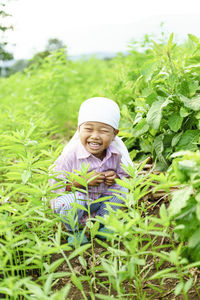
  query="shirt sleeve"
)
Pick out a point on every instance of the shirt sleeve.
point(120, 171)
point(59, 172)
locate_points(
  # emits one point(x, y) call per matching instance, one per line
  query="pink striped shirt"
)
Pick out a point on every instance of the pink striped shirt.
point(73, 160)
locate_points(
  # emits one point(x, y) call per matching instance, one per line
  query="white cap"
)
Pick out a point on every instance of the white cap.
point(99, 109)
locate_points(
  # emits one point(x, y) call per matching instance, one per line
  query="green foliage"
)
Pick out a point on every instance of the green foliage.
point(184, 208)
point(158, 93)
point(165, 100)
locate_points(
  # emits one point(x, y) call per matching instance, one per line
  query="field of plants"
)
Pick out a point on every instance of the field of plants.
point(154, 251)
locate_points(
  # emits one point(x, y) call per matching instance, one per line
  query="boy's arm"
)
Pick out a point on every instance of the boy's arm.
point(111, 175)
point(98, 179)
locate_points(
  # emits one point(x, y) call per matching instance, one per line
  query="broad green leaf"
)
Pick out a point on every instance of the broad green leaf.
point(175, 122)
point(154, 115)
point(188, 140)
point(140, 128)
point(145, 145)
point(179, 200)
point(184, 112)
point(176, 138)
point(194, 239)
point(192, 103)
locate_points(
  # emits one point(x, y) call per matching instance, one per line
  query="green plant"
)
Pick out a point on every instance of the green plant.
point(184, 208)
point(38, 112)
point(163, 115)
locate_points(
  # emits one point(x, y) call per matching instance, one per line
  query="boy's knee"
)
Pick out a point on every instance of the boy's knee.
point(57, 204)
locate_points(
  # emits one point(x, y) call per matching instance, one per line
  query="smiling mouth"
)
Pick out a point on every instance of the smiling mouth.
point(94, 146)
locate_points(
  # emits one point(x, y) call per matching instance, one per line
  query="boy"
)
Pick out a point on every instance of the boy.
point(95, 143)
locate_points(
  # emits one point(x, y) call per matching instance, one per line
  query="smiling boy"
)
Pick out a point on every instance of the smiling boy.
point(96, 144)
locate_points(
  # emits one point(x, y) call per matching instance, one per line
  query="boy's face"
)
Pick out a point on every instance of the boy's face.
point(96, 137)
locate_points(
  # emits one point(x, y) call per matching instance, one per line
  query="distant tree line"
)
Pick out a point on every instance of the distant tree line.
point(5, 55)
point(53, 44)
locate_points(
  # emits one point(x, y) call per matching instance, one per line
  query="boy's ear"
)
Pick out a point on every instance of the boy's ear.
point(116, 131)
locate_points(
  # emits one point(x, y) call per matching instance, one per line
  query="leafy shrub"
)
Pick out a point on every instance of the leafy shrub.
point(184, 208)
point(163, 115)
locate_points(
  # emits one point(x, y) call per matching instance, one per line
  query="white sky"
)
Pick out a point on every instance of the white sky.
point(87, 26)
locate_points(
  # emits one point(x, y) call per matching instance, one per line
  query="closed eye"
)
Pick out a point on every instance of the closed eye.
point(105, 131)
point(88, 129)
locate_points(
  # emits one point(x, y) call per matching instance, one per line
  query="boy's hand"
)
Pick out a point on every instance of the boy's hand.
point(110, 177)
point(97, 180)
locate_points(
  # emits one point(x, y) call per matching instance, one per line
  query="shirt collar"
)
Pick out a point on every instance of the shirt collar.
point(83, 153)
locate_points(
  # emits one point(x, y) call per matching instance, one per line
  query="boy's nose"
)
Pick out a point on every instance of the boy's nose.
point(95, 135)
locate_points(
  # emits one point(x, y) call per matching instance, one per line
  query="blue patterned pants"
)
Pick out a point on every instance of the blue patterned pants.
point(62, 205)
